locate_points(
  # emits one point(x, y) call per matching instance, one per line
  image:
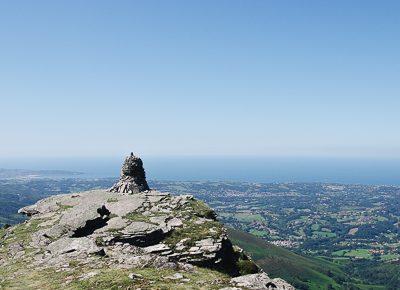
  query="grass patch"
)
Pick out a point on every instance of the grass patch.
point(138, 217)
point(64, 206)
point(248, 217)
point(193, 231)
point(320, 234)
point(339, 253)
point(190, 230)
point(73, 263)
point(359, 253)
point(201, 209)
point(21, 233)
point(388, 257)
point(153, 279)
point(246, 267)
point(258, 233)
point(315, 227)
point(114, 279)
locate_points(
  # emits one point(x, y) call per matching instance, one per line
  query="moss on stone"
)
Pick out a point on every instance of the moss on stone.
point(140, 217)
point(137, 217)
point(64, 206)
point(112, 199)
point(200, 209)
point(193, 232)
point(22, 233)
point(246, 267)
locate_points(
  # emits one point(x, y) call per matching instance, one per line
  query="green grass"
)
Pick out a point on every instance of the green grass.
point(259, 233)
point(381, 219)
point(200, 209)
point(357, 253)
point(323, 234)
point(315, 227)
point(248, 217)
point(192, 231)
point(318, 272)
point(115, 279)
point(138, 217)
point(370, 287)
point(64, 206)
point(112, 199)
point(20, 233)
point(389, 257)
point(339, 253)
point(153, 279)
point(302, 272)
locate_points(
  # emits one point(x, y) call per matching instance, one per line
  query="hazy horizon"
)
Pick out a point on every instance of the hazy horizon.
point(234, 168)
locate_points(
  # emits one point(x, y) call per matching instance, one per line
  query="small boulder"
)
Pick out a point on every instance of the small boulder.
point(260, 281)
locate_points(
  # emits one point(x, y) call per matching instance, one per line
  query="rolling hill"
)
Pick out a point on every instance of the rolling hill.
point(301, 271)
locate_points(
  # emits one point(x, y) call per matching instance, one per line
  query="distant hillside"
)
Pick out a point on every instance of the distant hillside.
point(25, 173)
point(302, 272)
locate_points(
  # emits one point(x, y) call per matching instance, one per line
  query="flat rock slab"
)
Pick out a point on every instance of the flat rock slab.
point(260, 281)
point(68, 245)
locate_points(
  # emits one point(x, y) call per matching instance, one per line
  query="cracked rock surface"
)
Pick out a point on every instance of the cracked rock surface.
point(94, 222)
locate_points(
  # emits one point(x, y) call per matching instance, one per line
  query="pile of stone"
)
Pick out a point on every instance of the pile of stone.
point(133, 177)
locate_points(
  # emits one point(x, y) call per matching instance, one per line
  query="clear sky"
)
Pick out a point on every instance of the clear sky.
point(102, 78)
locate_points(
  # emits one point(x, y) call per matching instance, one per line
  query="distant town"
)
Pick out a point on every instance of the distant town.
point(339, 221)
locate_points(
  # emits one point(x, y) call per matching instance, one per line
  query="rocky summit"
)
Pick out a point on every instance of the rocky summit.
point(129, 237)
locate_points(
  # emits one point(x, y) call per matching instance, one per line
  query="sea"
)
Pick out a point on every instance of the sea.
point(380, 171)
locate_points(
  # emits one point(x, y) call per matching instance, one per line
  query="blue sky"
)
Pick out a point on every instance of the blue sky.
point(291, 78)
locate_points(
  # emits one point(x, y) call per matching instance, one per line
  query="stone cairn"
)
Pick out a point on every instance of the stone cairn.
point(133, 177)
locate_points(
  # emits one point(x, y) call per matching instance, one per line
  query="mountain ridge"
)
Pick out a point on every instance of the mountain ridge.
point(135, 238)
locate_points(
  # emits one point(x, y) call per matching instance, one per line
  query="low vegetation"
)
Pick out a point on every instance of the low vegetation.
point(145, 278)
point(302, 272)
point(193, 226)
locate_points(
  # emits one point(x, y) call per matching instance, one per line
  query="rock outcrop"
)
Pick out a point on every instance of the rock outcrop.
point(147, 240)
point(260, 281)
point(133, 177)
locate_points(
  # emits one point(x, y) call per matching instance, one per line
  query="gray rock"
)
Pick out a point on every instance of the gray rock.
point(68, 245)
point(176, 276)
point(133, 177)
point(16, 250)
point(157, 248)
point(186, 267)
point(260, 281)
point(174, 223)
point(134, 276)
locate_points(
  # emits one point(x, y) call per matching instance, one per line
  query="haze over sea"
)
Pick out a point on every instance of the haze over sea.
point(252, 169)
